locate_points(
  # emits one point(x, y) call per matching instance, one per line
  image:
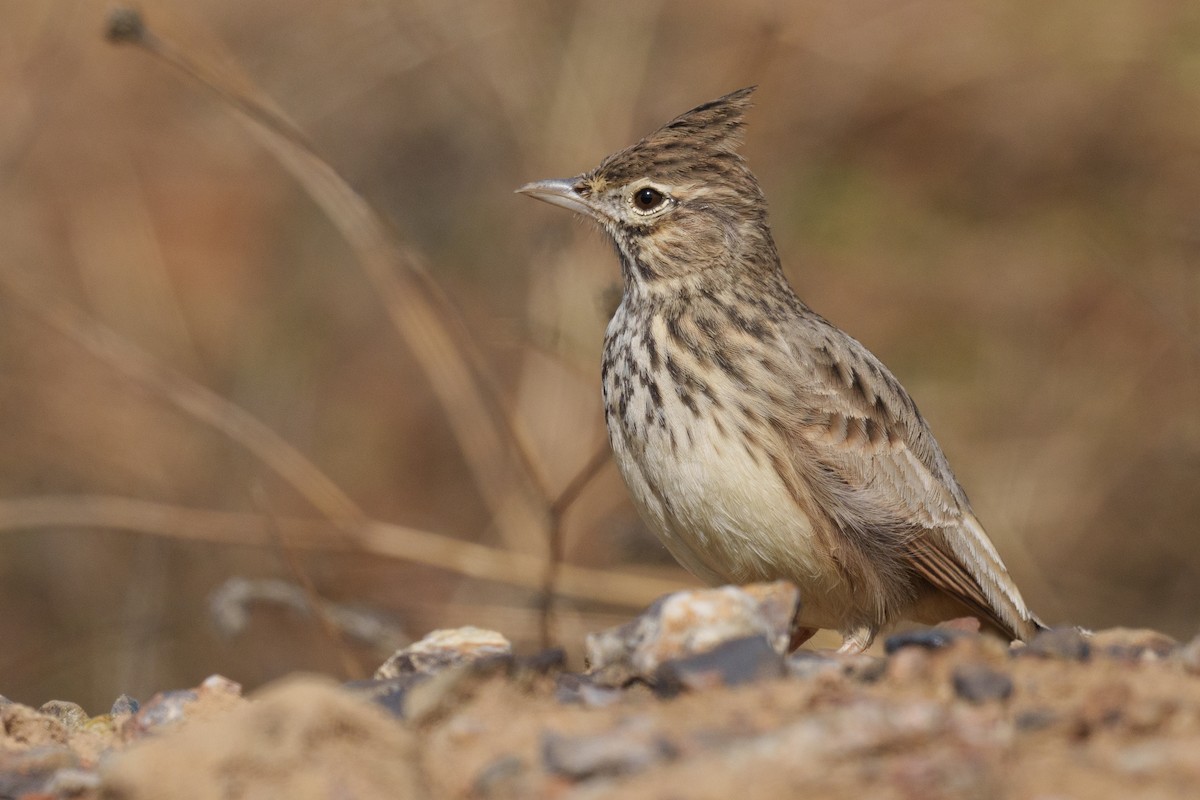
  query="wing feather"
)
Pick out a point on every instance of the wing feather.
point(885, 482)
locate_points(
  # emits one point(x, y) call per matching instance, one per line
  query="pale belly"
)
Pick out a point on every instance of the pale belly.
point(723, 514)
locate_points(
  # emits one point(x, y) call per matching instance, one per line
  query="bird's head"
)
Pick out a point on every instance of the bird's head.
point(680, 202)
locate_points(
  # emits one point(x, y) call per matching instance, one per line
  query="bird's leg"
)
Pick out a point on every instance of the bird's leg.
point(857, 640)
point(799, 637)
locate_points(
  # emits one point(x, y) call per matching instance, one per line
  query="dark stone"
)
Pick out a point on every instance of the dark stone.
point(388, 692)
point(1035, 719)
point(125, 705)
point(677, 625)
point(732, 663)
point(979, 683)
point(927, 638)
point(125, 26)
point(544, 662)
point(1066, 643)
point(573, 688)
point(865, 669)
point(492, 665)
point(1124, 644)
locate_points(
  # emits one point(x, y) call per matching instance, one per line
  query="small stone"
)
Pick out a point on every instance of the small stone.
point(29, 728)
point(1133, 644)
point(125, 25)
point(445, 648)
point(732, 663)
point(124, 705)
point(924, 638)
point(219, 685)
point(390, 693)
point(441, 692)
point(777, 602)
point(690, 622)
point(1069, 644)
point(633, 746)
point(572, 688)
point(864, 668)
point(980, 683)
point(215, 693)
point(164, 708)
point(1035, 719)
point(71, 715)
point(73, 782)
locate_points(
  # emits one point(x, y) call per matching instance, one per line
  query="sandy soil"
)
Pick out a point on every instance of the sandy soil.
point(1114, 716)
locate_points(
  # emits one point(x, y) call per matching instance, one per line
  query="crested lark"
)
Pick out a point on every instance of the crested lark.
point(759, 441)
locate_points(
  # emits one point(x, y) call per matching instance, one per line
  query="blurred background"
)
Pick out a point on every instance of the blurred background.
point(1001, 200)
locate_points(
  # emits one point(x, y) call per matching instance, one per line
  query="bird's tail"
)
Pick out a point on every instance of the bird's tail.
point(1009, 608)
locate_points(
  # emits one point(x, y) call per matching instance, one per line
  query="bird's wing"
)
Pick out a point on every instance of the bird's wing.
point(883, 479)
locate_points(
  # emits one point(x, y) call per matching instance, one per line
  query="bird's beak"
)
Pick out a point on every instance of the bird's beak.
point(560, 192)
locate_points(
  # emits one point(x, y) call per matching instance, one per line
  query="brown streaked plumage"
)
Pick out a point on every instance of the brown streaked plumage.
point(758, 440)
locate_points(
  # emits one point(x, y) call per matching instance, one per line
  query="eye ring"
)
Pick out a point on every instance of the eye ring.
point(648, 199)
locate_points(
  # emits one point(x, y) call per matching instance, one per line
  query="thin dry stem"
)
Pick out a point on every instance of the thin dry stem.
point(230, 604)
point(465, 558)
point(558, 511)
point(498, 453)
point(195, 400)
point(317, 605)
point(469, 559)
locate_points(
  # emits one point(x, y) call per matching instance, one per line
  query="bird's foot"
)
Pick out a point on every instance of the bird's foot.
point(856, 641)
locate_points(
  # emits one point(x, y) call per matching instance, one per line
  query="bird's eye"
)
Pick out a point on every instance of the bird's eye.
point(648, 199)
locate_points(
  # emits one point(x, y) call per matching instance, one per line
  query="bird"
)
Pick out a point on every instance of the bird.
point(759, 441)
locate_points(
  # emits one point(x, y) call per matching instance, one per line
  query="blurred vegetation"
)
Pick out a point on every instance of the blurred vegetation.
point(1001, 200)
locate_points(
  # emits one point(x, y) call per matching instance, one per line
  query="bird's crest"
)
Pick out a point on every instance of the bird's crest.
point(718, 124)
point(714, 128)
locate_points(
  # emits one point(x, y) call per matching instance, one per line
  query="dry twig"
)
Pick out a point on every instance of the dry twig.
point(491, 438)
point(496, 450)
point(382, 539)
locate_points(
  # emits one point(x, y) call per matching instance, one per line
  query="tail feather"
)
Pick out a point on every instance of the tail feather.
point(998, 586)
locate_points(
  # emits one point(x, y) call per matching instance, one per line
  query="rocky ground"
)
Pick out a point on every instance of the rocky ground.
point(695, 699)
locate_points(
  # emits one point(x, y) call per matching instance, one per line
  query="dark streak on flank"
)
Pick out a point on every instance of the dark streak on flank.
point(751, 442)
point(651, 348)
point(728, 367)
point(655, 395)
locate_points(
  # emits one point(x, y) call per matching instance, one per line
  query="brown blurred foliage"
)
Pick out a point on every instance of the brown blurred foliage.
point(1001, 200)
